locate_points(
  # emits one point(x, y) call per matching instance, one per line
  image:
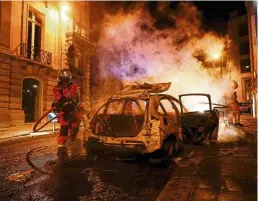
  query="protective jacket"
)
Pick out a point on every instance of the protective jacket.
point(66, 102)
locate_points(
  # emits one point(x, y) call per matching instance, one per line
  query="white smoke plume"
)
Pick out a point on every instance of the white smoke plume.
point(132, 49)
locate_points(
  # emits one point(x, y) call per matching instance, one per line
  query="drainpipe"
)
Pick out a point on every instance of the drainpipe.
point(22, 15)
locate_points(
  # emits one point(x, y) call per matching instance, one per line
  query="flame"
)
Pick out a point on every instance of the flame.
point(132, 49)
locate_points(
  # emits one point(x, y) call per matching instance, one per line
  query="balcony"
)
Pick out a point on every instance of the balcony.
point(32, 53)
point(79, 36)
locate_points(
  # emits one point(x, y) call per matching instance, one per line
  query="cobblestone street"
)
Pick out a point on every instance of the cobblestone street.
point(221, 171)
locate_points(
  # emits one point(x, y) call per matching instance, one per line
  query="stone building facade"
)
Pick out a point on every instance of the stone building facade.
point(239, 54)
point(251, 7)
point(37, 39)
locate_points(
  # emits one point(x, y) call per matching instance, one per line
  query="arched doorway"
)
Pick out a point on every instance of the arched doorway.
point(31, 104)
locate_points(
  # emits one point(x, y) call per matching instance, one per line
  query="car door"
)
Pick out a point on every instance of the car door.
point(198, 119)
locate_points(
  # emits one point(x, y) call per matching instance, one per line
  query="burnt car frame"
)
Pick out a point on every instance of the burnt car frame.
point(145, 121)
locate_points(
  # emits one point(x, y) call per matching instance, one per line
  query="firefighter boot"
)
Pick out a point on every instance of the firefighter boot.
point(62, 156)
point(75, 149)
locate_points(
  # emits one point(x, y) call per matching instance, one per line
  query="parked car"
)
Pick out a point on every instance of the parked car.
point(245, 107)
point(142, 120)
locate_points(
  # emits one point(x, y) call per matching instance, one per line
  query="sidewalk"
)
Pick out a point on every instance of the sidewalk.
point(217, 172)
point(13, 133)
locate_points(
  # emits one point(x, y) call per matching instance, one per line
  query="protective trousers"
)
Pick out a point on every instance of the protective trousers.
point(234, 113)
point(68, 126)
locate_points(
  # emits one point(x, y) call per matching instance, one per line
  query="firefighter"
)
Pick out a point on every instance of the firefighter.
point(233, 105)
point(66, 102)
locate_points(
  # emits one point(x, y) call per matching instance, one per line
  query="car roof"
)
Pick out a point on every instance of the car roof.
point(141, 91)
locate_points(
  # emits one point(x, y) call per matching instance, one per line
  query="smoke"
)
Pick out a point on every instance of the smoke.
point(230, 134)
point(131, 49)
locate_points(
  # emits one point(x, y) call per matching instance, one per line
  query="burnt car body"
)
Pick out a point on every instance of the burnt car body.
point(139, 120)
point(142, 120)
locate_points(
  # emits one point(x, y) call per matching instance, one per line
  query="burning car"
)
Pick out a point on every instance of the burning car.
point(142, 120)
point(139, 120)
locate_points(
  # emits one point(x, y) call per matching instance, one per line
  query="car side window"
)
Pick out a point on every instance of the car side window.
point(102, 110)
point(115, 107)
point(133, 107)
point(165, 107)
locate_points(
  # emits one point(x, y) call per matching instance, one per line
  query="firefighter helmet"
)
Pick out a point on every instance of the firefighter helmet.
point(64, 76)
point(234, 84)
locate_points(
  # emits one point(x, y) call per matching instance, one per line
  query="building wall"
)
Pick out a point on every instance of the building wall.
point(56, 22)
point(239, 53)
point(252, 27)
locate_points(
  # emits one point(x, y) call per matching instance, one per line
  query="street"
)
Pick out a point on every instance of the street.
point(220, 171)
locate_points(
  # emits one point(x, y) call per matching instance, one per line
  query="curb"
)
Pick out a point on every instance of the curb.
point(25, 137)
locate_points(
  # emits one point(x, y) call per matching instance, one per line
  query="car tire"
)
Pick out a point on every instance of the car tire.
point(203, 140)
point(164, 155)
point(89, 152)
point(215, 134)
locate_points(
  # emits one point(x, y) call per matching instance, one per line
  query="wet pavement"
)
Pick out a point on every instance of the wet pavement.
point(80, 179)
point(222, 171)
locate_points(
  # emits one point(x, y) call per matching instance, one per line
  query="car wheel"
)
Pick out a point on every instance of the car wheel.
point(164, 155)
point(215, 133)
point(203, 139)
point(89, 152)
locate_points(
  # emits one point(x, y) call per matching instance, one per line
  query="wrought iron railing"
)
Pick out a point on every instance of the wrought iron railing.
point(27, 51)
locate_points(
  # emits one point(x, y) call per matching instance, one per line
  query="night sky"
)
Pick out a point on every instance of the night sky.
point(213, 12)
point(219, 9)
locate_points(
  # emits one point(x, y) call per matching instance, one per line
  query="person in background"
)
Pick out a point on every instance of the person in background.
point(233, 105)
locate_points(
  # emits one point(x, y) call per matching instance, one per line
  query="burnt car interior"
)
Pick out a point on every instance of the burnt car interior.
point(119, 118)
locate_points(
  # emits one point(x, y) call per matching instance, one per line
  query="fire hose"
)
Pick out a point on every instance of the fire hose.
point(35, 129)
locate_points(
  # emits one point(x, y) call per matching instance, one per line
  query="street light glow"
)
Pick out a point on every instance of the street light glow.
point(215, 56)
point(64, 16)
point(65, 8)
point(35, 86)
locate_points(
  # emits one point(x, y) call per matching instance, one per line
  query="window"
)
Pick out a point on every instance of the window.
point(243, 29)
point(245, 65)
point(34, 34)
point(244, 47)
point(248, 87)
point(115, 107)
point(195, 103)
point(165, 107)
point(168, 112)
point(134, 107)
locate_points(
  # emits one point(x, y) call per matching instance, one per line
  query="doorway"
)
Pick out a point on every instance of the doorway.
point(31, 93)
